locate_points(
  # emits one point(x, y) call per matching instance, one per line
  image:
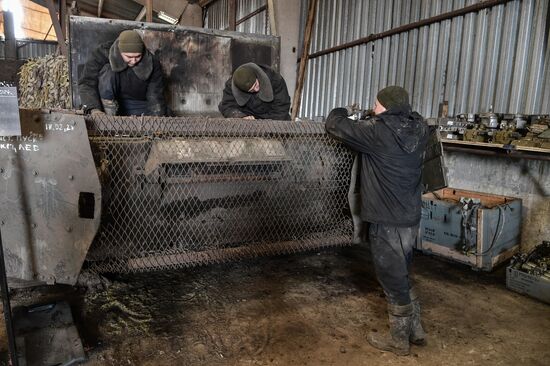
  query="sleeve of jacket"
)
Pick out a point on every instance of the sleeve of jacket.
point(281, 100)
point(87, 85)
point(155, 91)
point(360, 136)
point(229, 107)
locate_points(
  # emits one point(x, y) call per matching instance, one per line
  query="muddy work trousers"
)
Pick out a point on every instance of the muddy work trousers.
point(392, 252)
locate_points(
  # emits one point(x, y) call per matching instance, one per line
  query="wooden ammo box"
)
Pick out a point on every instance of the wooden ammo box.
point(478, 229)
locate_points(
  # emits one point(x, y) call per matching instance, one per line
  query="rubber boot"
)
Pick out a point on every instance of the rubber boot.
point(418, 335)
point(110, 106)
point(397, 340)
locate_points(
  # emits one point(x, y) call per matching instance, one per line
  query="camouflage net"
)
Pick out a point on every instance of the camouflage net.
point(44, 83)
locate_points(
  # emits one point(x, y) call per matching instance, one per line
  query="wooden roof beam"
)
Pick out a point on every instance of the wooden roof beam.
point(141, 14)
point(99, 8)
point(204, 3)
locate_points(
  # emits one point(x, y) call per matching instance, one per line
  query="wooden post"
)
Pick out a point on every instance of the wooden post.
point(9, 35)
point(149, 11)
point(57, 27)
point(271, 12)
point(63, 17)
point(303, 60)
point(232, 14)
point(141, 14)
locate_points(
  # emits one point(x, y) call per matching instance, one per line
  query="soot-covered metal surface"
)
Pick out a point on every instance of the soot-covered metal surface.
point(196, 62)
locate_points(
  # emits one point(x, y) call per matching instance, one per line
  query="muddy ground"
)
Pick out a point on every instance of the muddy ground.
point(307, 309)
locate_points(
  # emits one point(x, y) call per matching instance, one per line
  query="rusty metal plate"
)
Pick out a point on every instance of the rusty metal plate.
point(196, 62)
point(50, 200)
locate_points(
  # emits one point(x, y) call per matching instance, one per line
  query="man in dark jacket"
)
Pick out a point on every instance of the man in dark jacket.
point(124, 78)
point(255, 92)
point(391, 145)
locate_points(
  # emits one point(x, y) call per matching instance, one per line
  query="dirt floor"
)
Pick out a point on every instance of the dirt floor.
point(306, 309)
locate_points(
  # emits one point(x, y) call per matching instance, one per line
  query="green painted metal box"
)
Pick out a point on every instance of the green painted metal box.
point(478, 229)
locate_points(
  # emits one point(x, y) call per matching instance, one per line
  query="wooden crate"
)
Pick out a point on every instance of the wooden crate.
point(496, 227)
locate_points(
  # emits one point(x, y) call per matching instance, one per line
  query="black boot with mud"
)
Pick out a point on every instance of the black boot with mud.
point(418, 335)
point(397, 340)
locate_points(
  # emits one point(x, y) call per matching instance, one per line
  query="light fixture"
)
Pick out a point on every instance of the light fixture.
point(167, 18)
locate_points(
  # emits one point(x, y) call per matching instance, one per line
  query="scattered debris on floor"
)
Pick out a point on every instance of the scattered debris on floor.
point(309, 309)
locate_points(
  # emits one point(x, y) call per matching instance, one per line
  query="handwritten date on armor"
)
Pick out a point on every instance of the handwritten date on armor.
point(62, 127)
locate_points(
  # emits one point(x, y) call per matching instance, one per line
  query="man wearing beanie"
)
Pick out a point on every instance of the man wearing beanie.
point(391, 147)
point(255, 92)
point(123, 78)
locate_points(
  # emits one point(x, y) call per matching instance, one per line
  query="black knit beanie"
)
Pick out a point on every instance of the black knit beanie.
point(393, 96)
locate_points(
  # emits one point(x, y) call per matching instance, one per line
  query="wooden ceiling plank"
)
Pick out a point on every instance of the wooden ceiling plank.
point(99, 8)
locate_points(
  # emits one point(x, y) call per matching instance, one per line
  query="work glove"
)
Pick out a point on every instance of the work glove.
point(352, 109)
point(367, 113)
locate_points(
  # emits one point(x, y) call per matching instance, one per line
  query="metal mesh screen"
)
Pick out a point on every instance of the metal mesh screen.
point(187, 191)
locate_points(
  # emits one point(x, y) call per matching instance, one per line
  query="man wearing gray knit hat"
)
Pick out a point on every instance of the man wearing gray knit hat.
point(255, 92)
point(390, 145)
point(123, 78)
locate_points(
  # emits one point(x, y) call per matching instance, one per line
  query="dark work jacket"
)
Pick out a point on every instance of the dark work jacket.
point(277, 109)
point(141, 82)
point(392, 147)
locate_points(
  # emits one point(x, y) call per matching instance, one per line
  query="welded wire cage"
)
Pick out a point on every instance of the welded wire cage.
point(186, 191)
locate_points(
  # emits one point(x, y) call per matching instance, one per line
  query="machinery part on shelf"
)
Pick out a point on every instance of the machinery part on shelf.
point(489, 120)
point(536, 262)
point(505, 129)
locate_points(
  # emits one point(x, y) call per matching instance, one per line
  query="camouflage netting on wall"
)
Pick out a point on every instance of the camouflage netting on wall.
point(44, 83)
point(186, 191)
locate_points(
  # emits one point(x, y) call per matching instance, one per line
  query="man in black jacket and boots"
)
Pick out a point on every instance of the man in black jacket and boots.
point(123, 78)
point(391, 144)
point(255, 92)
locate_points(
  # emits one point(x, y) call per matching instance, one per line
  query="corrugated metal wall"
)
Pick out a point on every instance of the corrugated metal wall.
point(31, 49)
point(499, 56)
point(216, 16)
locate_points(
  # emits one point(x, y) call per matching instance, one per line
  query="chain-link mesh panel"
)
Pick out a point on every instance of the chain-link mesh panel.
point(186, 191)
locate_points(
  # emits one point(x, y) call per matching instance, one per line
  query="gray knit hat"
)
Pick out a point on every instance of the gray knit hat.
point(393, 96)
point(130, 41)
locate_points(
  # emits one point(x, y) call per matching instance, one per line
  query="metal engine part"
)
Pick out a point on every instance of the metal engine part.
point(536, 262)
point(505, 129)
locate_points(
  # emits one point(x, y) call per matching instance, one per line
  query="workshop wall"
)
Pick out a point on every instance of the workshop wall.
point(498, 56)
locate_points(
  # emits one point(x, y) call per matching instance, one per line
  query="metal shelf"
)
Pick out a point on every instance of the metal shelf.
point(485, 148)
